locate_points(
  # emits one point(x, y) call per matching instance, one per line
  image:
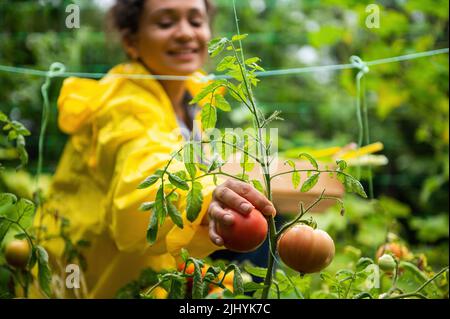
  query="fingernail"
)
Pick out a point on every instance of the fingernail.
point(269, 210)
point(228, 219)
point(218, 241)
point(246, 208)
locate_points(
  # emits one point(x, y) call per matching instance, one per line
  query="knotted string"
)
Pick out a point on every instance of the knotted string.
point(362, 113)
point(56, 69)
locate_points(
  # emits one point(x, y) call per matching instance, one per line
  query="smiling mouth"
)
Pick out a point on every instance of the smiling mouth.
point(183, 52)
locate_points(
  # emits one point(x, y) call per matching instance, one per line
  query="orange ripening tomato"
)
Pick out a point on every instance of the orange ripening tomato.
point(17, 253)
point(246, 234)
point(398, 250)
point(305, 249)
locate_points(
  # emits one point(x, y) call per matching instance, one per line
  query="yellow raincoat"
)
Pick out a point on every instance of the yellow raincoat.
point(121, 131)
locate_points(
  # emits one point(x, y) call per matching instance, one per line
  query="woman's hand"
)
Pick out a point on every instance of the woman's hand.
point(238, 196)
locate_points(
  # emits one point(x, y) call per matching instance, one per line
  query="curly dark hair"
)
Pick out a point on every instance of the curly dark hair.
point(124, 15)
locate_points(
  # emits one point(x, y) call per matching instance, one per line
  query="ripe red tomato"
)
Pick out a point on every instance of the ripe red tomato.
point(247, 233)
point(17, 253)
point(306, 250)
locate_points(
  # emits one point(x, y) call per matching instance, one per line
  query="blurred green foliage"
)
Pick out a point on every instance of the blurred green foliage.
point(408, 102)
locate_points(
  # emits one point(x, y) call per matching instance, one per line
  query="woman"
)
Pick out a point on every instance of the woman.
point(121, 131)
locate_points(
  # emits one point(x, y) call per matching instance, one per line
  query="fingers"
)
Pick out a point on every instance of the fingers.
point(218, 215)
point(237, 195)
point(231, 199)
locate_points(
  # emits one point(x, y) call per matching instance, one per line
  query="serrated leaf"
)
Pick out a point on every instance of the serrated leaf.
point(357, 187)
point(209, 116)
point(149, 181)
point(216, 46)
point(175, 215)
point(152, 230)
point(310, 182)
point(44, 273)
point(256, 271)
point(226, 63)
point(194, 201)
point(238, 282)
point(160, 207)
point(296, 179)
point(197, 284)
point(177, 181)
point(222, 104)
point(26, 211)
point(310, 159)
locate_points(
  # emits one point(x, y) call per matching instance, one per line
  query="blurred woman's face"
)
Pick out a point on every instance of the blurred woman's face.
point(173, 36)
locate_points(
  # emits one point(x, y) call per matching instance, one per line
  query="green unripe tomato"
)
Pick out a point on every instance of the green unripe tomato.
point(386, 263)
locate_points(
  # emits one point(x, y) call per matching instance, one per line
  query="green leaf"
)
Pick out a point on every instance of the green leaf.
point(209, 116)
point(253, 286)
point(310, 182)
point(208, 90)
point(189, 160)
point(194, 201)
point(26, 211)
point(146, 206)
point(256, 271)
point(253, 60)
point(257, 184)
point(177, 181)
point(296, 179)
point(3, 117)
point(160, 207)
point(197, 284)
point(152, 230)
point(239, 37)
point(238, 282)
point(216, 46)
point(222, 104)
point(44, 273)
point(342, 164)
point(184, 254)
point(7, 199)
point(175, 215)
point(227, 62)
point(290, 163)
point(357, 187)
point(151, 180)
point(310, 159)
point(363, 263)
point(215, 163)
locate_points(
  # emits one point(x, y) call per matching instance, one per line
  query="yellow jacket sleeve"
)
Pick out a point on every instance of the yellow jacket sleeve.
point(133, 137)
